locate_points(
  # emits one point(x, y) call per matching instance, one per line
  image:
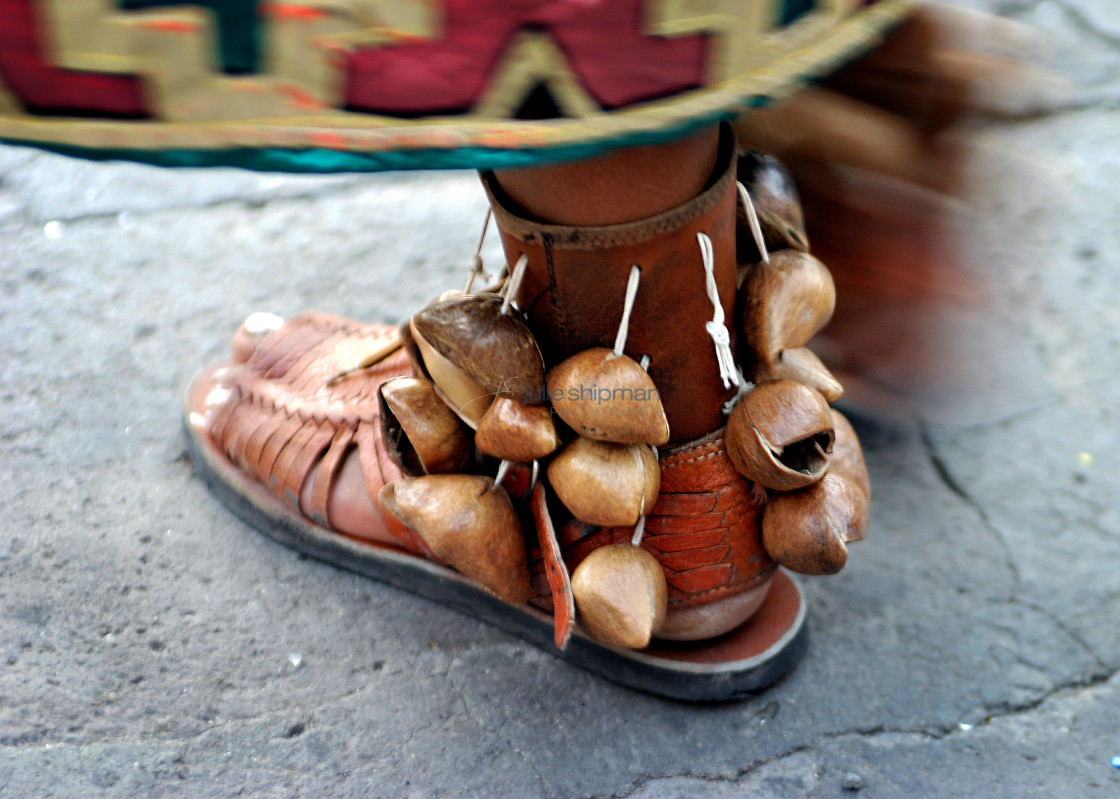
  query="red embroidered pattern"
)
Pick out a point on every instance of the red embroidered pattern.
point(47, 89)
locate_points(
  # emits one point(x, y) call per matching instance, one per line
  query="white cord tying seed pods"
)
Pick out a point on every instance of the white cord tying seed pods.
point(536, 474)
point(716, 328)
point(476, 269)
point(513, 285)
point(627, 306)
point(503, 467)
point(640, 527)
point(752, 221)
point(744, 386)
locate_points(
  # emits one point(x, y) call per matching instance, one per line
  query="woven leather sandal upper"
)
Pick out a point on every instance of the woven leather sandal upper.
point(284, 418)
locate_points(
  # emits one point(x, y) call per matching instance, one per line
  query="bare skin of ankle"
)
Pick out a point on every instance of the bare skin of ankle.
point(620, 187)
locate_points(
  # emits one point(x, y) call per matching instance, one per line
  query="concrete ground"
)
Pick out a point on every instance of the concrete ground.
point(152, 645)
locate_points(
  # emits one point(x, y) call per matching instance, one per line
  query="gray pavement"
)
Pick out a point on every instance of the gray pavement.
point(152, 645)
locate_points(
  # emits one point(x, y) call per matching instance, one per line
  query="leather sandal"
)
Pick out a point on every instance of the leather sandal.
point(307, 405)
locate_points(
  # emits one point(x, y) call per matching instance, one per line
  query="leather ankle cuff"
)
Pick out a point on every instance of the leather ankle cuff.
point(575, 283)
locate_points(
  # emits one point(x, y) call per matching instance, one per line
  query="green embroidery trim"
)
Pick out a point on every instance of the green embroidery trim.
point(237, 25)
point(322, 161)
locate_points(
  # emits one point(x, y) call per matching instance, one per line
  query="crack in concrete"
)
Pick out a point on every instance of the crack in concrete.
point(1003, 710)
point(1100, 675)
point(933, 733)
point(1075, 636)
point(645, 779)
point(941, 469)
point(945, 475)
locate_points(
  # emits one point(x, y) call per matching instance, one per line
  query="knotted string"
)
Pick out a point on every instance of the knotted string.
point(536, 474)
point(752, 222)
point(503, 468)
point(513, 285)
point(744, 386)
point(716, 328)
point(476, 269)
point(640, 527)
point(627, 307)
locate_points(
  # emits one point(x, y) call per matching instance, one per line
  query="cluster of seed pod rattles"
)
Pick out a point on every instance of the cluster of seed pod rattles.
point(609, 476)
point(781, 433)
point(481, 364)
point(482, 371)
point(483, 395)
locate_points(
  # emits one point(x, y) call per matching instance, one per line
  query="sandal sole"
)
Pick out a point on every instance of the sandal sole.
point(737, 664)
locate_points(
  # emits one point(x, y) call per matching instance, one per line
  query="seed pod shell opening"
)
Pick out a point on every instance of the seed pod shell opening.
point(465, 397)
point(422, 435)
point(780, 435)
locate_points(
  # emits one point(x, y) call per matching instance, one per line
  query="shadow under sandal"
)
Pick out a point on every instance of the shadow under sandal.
point(579, 456)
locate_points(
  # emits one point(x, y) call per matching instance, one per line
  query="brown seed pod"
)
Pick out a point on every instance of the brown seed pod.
point(847, 456)
point(802, 366)
point(463, 395)
point(497, 351)
point(780, 435)
point(516, 432)
point(784, 303)
point(421, 434)
point(409, 343)
point(608, 397)
point(776, 203)
point(621, 595)
point(610, 485)
point(469, 522)
point(808, 530)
